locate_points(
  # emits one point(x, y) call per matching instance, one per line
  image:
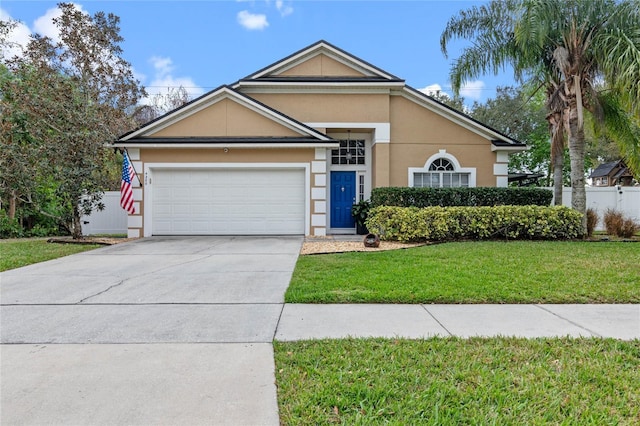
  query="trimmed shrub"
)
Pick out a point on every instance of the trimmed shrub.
point(592, 221)
point(447, 197)
point(409, 224)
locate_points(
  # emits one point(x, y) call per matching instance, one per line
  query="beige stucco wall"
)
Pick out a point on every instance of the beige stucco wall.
point(225, 118)
point(321, 66)
point(417, 134)
point(234, 155)
point(329, 108)
point(412, 121)
point(380, 176)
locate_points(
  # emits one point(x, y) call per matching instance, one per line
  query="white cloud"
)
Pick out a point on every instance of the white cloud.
point(284, 9)
point(252, 21)
point(433, 89)
point(163, 66)
point(472, 89)
point(17, 39)
point(44, 25)
point(163, 80)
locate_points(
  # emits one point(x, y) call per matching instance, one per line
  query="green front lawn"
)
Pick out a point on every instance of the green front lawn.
point(474, 272)
point(17, 253)
point(458, 381)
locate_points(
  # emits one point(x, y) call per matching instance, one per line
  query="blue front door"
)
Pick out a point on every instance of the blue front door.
point(343, 196)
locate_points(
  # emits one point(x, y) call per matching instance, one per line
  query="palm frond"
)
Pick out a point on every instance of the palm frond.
point(622, 127)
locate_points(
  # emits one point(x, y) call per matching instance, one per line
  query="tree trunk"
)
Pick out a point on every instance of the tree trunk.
point(76, 231)
point(13, 203)
point(558, 164)
point(556, 129)
point(576, 155)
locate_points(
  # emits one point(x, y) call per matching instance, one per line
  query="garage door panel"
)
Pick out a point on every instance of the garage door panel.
point(224, 202)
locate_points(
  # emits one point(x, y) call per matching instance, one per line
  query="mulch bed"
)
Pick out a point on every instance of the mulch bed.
point(105, 241)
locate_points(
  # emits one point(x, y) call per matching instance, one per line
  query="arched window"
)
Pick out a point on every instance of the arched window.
point(442, 171)
point(441, 165)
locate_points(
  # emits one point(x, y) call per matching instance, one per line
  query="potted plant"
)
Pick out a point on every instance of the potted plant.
point(360, 212)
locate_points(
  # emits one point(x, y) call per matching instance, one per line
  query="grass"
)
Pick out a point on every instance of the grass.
point(23, 252)
point(449, 381)
point(474, 272)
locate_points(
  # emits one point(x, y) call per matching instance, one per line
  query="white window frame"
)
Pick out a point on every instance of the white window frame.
point(453, 160)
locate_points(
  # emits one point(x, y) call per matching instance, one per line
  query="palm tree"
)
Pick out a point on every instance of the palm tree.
point(492, 28)
point(555, 118)
point(581, 41)
point(591, 40)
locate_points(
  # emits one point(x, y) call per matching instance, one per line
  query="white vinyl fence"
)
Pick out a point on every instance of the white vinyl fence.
point(111, 220)
point(625, 199)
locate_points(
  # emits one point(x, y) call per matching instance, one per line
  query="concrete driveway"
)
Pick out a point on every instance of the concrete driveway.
point(163, 330)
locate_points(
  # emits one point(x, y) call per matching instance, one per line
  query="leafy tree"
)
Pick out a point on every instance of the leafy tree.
point(457, 102)
point(160, 104)
point(567, 45)
point(20, 154)
point(523, 117)
point(78, 97)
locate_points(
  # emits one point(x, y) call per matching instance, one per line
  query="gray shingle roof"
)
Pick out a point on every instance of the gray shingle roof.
point(604, 169)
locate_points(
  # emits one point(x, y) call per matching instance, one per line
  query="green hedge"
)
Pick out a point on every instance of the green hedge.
point(484, 196)
point(408, 224)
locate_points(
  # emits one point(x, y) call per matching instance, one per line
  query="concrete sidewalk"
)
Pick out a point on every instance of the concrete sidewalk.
point(300, 321)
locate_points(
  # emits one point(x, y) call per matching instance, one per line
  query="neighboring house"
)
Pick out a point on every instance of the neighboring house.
point(612, 174)
point(290, 148)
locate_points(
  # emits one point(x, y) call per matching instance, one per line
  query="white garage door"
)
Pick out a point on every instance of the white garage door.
point(228, 202)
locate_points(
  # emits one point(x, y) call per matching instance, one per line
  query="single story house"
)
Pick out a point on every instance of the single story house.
point(612, 174)
point(288, 149)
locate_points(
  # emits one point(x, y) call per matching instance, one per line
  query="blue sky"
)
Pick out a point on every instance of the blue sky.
point(203, 44)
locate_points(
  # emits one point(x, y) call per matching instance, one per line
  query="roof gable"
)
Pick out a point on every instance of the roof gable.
point(321, 59)
point(321, 65)
point(227, 118)
point(224, 112)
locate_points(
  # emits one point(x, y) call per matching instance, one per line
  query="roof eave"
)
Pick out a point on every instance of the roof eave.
point(209, 145)
point(513, 148)
point(388, 84)
point(226, 142)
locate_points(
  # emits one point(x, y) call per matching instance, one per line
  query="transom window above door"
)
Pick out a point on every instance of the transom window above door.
point(351, 151)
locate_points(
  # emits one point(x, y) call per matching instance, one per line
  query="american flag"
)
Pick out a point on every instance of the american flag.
point(126, 192)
